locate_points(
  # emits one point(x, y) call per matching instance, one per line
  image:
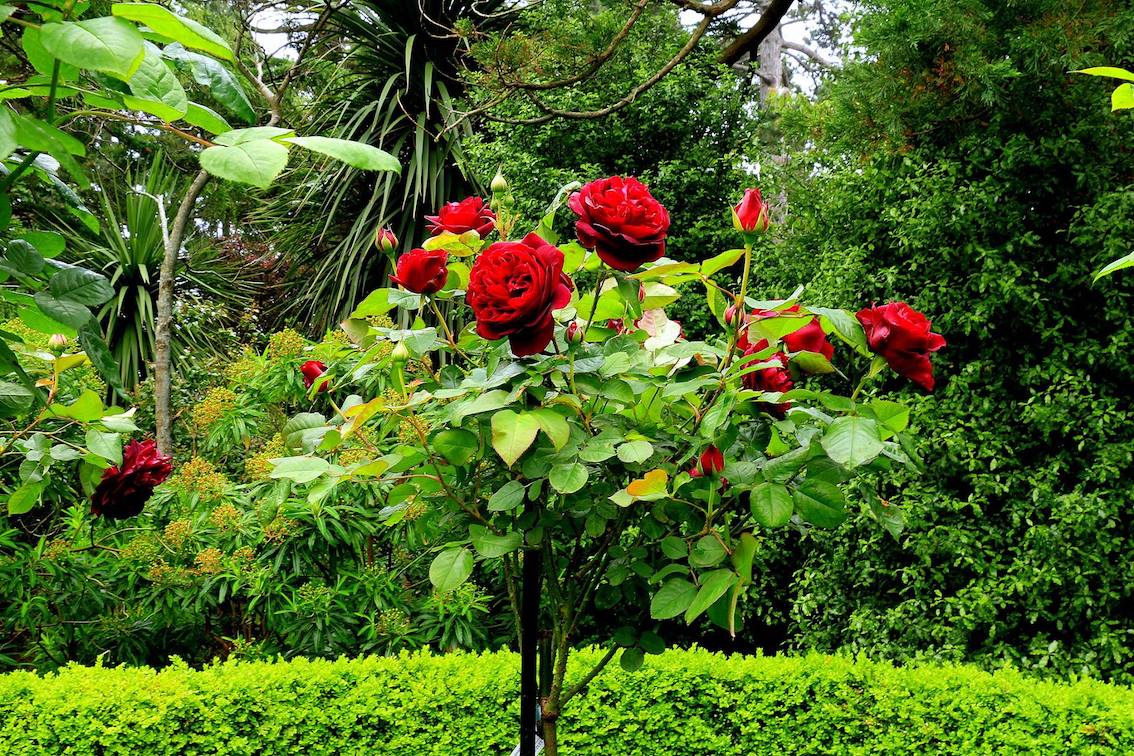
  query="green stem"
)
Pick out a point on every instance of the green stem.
point(594, 306)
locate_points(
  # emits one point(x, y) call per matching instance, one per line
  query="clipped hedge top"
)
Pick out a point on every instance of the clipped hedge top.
point(682, 702)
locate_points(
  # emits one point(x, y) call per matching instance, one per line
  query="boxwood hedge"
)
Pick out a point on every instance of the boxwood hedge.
point(681, 702)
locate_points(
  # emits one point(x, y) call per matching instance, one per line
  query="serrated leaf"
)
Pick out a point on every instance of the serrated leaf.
point(771, 504)
point(852, 441)
point(106, 44)
point(256, 162)
point(568, 478)
point(673, 598)
point(713, 585)
point(820, 503)
point(154, 88)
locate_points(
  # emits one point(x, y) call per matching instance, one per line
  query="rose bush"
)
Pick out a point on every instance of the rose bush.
point(579, 424)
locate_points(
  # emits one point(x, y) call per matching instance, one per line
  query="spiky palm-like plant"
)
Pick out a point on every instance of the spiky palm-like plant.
point(395, 88)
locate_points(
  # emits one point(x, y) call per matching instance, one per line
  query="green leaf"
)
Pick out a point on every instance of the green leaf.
point(821, 503)
point(94, 346)
point(222, 85)
point(355, 154)
point(568, 478)
point(14, 398)
point(845, 325)
point(299, 469)
point(24, 258)
point(65, 311)
point(489, 545)
point(178, 28)
point(635, 451)
point(8, 142)
point(40, 59)
point(742, 556)
point(456, 445)
point(1109, 72)
point(852, 441)
point(47, 243)
point(512, 434)
point(377, 302)
point(707, 552)
point(79, 285)
point(155, 89)
point(507, 497)
point(450, 568)
point(632, 659)
point(771, 504)
point(673, 598)
point(206, 118)
point(721, 261)
point(256, 163)
point(1122, 98)
point(254, 134)
point(553, 425)
point(107, 445)
point(892, 416)
point(24, 498)
point(106, 44)
point(713, 585)
point(1120, 264)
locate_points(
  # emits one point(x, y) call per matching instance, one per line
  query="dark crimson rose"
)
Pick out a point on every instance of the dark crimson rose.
point(901, 336)
point(470, 214)
point(621, 221)
point(769, 378)
point(311, 370)
point(574, 333)
point(618, 325)
point(124, 491)
point(810, 338)
point(751, 213)
point(735, 316)
point(513, 287)
point(712, 461)
point(385, 240)
point(422, 271)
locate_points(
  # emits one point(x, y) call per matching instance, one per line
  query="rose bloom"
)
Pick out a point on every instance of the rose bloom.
point(513, 288)
point(621, 221)
point(311, 370)
point(769, 378)
point(711, 461)
point(810, 338)
point(470, 214)
point(385, 240)
point(751, 213)
point(901, 336)
point(422, 271)
point(124, 491)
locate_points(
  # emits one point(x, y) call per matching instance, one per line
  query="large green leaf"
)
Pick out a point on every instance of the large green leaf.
point(568, 478)
point(512, 434)
point(66, 311)
point(156, 89)
point(355, 154)
point(178, 28)
point(14, 398)
point(821, 503)
point(107, 44)
point(490, 545)
point(221, 83)
point(24, 498)
point(299, 469)
point(105, 444)
point(507, 497)
point(450, 568)
point(771, 505)
point(7, 133)
point(713, 585)
point(256, 163)
point(673, 598)
point(1121, 263)
point(456, 445)
point(80, 285)
point(206, 118)
point(852, 441)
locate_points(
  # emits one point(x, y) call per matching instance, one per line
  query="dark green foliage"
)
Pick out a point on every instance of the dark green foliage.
point(682, 702)
point(960, 166)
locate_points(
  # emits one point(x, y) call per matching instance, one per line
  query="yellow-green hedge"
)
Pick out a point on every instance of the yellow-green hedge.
point(682, 702)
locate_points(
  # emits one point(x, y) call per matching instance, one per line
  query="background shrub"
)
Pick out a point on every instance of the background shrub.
point(681, 702)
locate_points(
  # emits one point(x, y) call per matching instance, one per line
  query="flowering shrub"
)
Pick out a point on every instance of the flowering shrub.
point(583, 426)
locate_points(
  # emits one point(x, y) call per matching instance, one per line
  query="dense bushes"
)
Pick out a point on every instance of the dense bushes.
point(961, 166)
point(682, 702)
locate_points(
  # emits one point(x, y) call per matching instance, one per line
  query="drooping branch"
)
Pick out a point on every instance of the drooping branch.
point(815, 55)
point(749, 41)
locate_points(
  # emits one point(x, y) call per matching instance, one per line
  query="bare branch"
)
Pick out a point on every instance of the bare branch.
point(813, 54)
point(747, 43)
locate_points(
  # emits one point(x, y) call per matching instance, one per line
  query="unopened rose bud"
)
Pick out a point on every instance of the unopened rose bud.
point(641, 292)
point(385, 240)
point(499, 183)
point(401, 354)
point(735, 316)
point(58, 341)
point(750, 216)
point(574, 333)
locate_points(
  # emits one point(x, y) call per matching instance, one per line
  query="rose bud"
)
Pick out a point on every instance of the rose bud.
point(311, 370)
point(385, 240)
point(574, 333)
point(641, 292)
point(499, 183)
point(750, 216)
point(470, 214)
point(901, 336)
point(810, 338)
point(124, 490)
point(422, 271)
point(711, 461)
point(58, 341)
point(735, 316)
point(401, 354)
point(513, 289)
point(621, 221)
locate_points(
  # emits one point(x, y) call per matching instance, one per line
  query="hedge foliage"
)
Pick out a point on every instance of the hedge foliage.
point(681, 702)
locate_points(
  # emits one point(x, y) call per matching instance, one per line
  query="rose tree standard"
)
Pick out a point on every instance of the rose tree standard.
point(581, 430)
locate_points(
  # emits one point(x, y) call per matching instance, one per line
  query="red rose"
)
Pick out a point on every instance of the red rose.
point(385, 240)
point(124, 491)
point(470, 214)
point(574, 333)
point(513, 287)
point(901, 336)
point(810, 338)
point(311, 370)
point(751, 214)
point(711, 461)
point(422, 271)
point(620, 221)
point(769, 378)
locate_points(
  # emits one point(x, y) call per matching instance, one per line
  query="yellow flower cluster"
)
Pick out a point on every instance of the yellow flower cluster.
point(245, 554)
point(164, 574)
point(421, 367)
point(200, 476)
point(381, 321)
point(217, 401)
point(177, 533)
point(143, 549)
point(208, 561)
point(284, 344)
point(350, 457)
point(392, 622)
point(411, 429)
point(225, 516)
point(242, 369)
point(57, 549)
point(415, 509)
point(278, 530)
point(258, 467)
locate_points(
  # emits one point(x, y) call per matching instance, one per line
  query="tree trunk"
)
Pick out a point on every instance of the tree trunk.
point(771, 64)
point(163, 329)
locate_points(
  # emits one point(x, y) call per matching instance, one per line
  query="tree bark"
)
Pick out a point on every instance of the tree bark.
point(770, 57)
point(164, 327)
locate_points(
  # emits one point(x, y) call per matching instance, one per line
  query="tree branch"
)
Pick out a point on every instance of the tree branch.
point(747, 42)
point(811, 53)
